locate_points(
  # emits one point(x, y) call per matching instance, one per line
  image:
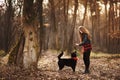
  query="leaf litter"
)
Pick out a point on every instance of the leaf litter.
point(101, 68)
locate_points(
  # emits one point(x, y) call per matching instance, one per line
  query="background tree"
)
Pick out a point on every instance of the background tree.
point(73, 27)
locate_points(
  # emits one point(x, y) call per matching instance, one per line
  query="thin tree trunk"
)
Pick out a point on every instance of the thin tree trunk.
point(92, 20)
point(70, 47)
point(19, 57)
point(97, 23)
point(16, 54)
point(40, 11)
point(8, 20)
point(54, 34)
point(65, 40)
point(110, 28)
point(86, 1)
point(106, 26)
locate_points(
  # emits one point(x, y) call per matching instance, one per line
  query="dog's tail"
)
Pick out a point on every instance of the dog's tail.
point(59, 56)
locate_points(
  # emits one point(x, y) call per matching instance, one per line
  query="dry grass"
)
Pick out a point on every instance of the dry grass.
point(104, 55)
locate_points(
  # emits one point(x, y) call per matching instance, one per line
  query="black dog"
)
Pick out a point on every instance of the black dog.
point(71, 62)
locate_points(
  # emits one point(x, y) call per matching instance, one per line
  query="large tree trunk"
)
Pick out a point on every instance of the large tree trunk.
point(30, 48)
point(31, 43)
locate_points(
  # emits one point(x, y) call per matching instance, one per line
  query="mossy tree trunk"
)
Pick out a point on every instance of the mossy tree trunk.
point(31, 42)
point(16, 57)
point(25, 52)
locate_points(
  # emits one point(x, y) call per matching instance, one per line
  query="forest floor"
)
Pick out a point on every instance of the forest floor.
point(102, 67)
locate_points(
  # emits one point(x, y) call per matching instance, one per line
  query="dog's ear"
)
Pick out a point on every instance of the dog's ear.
point(75, 51)
point(74, 54)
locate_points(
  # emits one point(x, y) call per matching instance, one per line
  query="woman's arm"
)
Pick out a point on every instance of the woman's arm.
point(84, 40)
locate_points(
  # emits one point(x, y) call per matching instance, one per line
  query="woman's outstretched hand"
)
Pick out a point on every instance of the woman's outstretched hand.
point(77, 44)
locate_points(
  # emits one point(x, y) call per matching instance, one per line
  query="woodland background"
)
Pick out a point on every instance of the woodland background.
point(28, 28)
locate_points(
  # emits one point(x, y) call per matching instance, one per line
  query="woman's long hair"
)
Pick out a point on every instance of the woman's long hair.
point(84, 30)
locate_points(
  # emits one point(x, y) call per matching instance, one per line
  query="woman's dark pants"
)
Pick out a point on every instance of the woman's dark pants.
point(86, 58)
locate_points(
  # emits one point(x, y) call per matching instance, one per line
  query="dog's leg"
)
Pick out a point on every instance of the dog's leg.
point(73, 68)
point(61, 67)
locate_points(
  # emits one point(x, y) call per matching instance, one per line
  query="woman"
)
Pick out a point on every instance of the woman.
point(86, 43)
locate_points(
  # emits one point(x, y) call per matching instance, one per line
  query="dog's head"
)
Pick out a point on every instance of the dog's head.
point(74, 54)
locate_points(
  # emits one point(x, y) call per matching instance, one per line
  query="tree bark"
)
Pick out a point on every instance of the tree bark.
point(41, 30)
point(86, 1)
point(70, 43)
point(54, 34)
point(65, 23)
point(16, 54)
point(31, 44)
point(8, 27)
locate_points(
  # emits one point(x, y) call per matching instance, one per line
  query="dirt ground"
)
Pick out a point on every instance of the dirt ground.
point(101, 68)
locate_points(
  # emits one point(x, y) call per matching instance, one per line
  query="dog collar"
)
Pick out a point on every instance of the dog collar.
point(75, 58)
